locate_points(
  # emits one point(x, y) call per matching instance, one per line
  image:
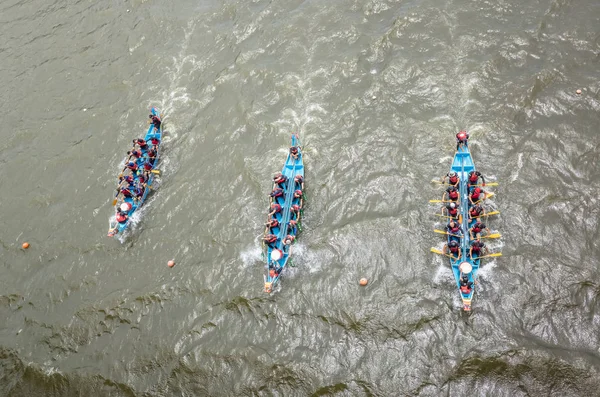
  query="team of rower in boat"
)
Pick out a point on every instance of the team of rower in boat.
point(134, 177)
point(451, 197)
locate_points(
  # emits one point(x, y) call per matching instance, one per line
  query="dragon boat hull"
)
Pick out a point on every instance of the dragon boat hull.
point(278, 253)
point(115, 227)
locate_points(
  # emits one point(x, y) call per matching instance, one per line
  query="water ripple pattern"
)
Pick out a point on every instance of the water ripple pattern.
point(376, 90)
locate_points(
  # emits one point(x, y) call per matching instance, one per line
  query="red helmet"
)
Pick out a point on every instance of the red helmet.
point(477, 190)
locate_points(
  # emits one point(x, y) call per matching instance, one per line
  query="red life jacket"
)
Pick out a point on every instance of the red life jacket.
point(453, 211)
point(474, 212)
point(465, 289)
point(473, 178)
point(477, 228)
point(126, 192)
point(155, 141)
point(273, 223)
point(280, 180)
point(453, 195)
point(277, 193)
point(453, 179)
point(454, 230)
point(270, 238)
point(276, 208)
point(475, 195)
point(476, 248)
point(121, 218)
point(453, 249)
point(147, 166)
point(136, 153)
point(461, 136)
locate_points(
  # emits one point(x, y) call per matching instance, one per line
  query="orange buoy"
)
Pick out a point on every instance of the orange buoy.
point(171, 263)
point(578, 92)
point(25, 245)
point(363, 282)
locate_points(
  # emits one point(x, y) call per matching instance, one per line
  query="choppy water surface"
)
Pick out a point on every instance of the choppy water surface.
point(376, 89)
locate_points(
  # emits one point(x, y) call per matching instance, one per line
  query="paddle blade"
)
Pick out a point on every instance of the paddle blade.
point(155, 172)
point(489, 194)
point(436, 181)
point(492, 184)
point(493, 235)
point(114, 202)
point(436, 201)
point(495, 254)
point(492, 213)
point(436, 251)
point(439, 231)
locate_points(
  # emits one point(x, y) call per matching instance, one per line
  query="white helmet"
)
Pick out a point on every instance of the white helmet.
point(452, 205)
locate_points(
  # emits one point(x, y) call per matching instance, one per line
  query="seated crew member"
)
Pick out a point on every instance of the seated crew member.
point(299, 181)
point(461, 138)
point(277, 192)
point(289, 239)
point(474, 178)
point(452, 194)
point(294, 152)
point(466, 286)
point(292, 227)
point(477, 248)
point(298, 195)
point(476, 196)
point(151, 156)
point(451, 210)
point(272, 223)
point(141, 143)
point(270, 239)
point(155, 120)
point(133, 167)
point(454, 248)
point(477, 228)
point(476, 211)
point(295, 212)
point(155, 142)
point(279, 179)
point(453, 227)
point(121, 216)
point(453, 179)
point(134, 153)
point(275, 209)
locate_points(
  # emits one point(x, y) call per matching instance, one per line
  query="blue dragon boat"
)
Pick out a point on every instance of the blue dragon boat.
point(465, 267)
point(142, 179)
point(290, 202)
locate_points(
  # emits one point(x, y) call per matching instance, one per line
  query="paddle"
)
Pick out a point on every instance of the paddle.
point(449, 234)
point(488, 184)
point(446, 216)
point(490, 255)
point(488, 214)
point(442, 201)
point(493, 235)
point(437, 251)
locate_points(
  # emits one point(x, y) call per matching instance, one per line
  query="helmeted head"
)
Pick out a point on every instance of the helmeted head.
point(465, 277)
point(124, 207)
point(130, 164)
point(452, 205)
point(452, 174)
point(477, 190)
point(296, 207)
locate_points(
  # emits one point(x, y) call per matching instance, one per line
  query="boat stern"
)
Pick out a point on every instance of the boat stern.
point(466, 304)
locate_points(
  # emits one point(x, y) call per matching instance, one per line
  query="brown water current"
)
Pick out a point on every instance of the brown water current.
point(376, 90)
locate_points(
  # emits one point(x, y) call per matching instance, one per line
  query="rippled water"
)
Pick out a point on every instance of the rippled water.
point(376, 89)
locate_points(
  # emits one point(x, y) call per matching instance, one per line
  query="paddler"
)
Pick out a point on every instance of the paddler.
point(270, 239)
point(155, 142)
point(454, 248)
point(298, 195)
point(451, 210)
point(453, 178)
point(121, 216)
point(275, 209)
point(292, 227)
point(296, 211)
point(477, 248)
point(474, 178)
point(477, 228)
point(155, 120)
point(466, 286)
point(452, 194)
point(279, 179)
point(476, 196)
point(453, 227)
point(299, 181)
point(289, 239)
point(132, 166)
point(277, 192)
point(476, 211)
point(141, 143)
point(134, 153)
point(272, 224)
point(294, 152)
point(461, 138)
